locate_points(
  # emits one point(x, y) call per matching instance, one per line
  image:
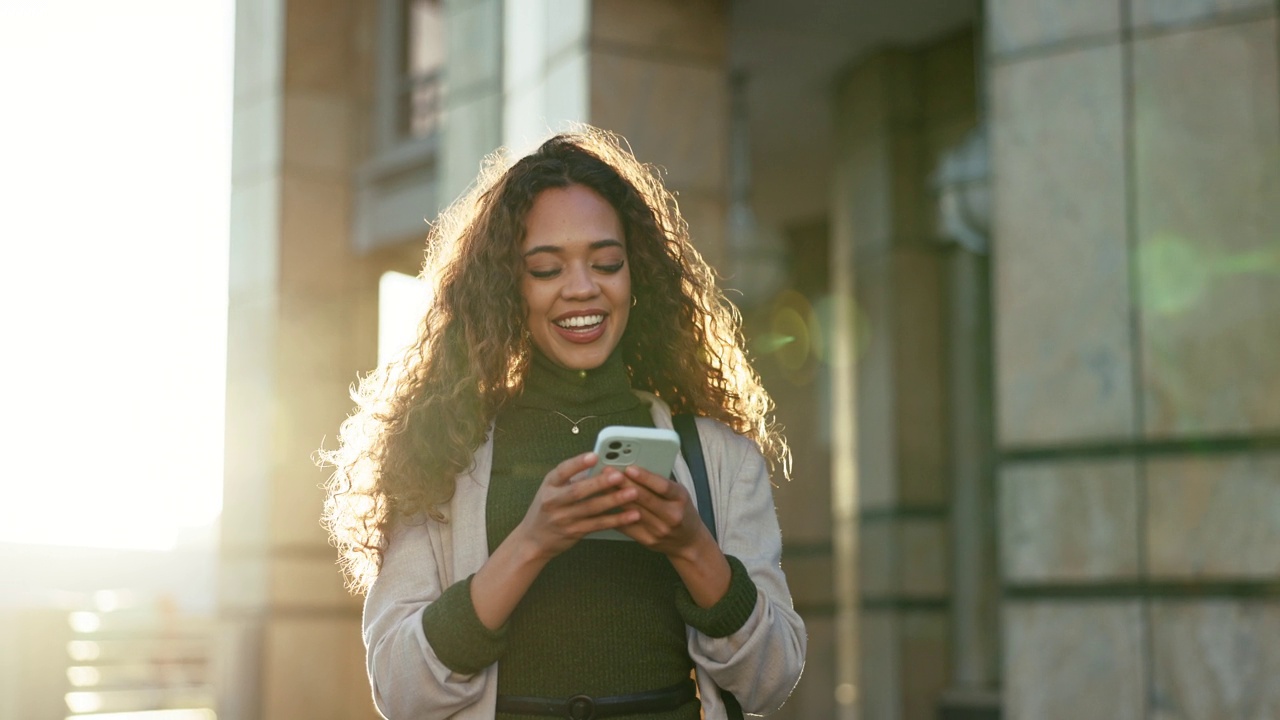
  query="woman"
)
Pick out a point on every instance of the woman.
point(567, 298)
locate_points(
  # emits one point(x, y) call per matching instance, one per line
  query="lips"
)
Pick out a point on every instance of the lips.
point(581, 327)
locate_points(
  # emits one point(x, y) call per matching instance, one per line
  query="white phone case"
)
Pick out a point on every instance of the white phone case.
point(654, 449)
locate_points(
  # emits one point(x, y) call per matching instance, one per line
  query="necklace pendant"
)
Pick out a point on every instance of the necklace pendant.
point(574, 430)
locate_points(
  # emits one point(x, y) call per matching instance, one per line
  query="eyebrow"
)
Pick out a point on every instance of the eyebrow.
point(557, 249)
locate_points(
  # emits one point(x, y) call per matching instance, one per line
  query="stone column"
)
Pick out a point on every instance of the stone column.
point(1136, 149)
point(473, 93)
point(655, 72)
point(300, 325)
point(897, 391)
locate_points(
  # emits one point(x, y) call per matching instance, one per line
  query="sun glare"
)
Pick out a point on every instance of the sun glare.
point(115, 185)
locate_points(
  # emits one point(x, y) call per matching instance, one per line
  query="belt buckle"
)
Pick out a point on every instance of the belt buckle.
point(581, 707)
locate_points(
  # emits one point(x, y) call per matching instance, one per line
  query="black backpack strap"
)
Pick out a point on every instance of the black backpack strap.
point(691, 447)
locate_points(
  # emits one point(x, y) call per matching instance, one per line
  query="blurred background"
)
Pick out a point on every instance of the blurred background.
point(1011, 270)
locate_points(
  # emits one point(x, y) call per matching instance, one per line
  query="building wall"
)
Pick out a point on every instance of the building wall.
point(1136, 150)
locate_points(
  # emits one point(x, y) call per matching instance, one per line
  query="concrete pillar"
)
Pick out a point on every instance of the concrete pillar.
point(300, 325)
point(1136, 148)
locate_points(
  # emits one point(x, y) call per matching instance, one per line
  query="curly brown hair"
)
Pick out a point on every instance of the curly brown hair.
point(398, 458)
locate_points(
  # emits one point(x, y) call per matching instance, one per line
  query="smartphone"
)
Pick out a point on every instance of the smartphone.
point(654, 449)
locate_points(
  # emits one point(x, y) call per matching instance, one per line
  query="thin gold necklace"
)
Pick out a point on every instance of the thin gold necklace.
point(574, 423)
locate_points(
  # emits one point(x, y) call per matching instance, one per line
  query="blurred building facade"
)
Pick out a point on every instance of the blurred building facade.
point(1011, 272)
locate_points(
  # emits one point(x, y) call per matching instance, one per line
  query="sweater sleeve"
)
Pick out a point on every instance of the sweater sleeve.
point(730, 613)
point(455, 632)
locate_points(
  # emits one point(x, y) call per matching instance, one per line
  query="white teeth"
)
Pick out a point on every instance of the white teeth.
point(580, 321)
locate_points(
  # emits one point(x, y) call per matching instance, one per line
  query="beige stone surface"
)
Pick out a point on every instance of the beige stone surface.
point(568, 25)
point(877, 457)
point(812, 697)
point(1021, 24)
point(314, 240)
point(809, 576)
point(1207, 113)
point(244, 576)
point(1067, 660)
point(877, 558)
point(911, 203)
point(1171, 12)
point(1069, 521)
point(673, 115)
point(1214, 517)
point(924, 557)
point(1215, 659)
point(1061, 274)
point(685, 29)
point(317, 46)
point(919, 393)
point(311, 581)
point(879, 692)
point(317, 128)
point(472, 130)
point(926, 666)
point(316, 669)
point(949, 77)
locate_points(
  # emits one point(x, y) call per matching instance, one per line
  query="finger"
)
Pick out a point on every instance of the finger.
point(562, 473)
point(608, 521)
point(604, 502)
point(660, 486)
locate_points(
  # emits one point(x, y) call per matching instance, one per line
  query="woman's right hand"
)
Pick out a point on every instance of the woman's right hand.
point(567, 509)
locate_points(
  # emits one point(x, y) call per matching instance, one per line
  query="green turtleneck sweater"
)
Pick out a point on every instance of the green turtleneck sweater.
point(606, 617)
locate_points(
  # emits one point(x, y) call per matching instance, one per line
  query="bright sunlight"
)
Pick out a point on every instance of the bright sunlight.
point(114, 185)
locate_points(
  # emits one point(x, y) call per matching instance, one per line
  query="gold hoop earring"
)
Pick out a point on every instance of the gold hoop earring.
point(633, 301)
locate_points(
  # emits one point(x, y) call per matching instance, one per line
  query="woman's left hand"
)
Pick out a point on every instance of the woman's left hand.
point(669, 523)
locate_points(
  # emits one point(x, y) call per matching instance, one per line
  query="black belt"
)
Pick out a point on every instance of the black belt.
point(585, 707)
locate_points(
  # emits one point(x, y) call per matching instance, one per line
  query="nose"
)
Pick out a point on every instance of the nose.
point(579, 284)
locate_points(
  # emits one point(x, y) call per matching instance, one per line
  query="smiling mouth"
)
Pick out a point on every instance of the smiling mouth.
point(580, 323)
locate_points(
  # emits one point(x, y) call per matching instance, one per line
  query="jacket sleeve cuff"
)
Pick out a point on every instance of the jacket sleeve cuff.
point(457, 636)
point(730, 613)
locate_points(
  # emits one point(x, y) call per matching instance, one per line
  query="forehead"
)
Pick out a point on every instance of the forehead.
point(569, 215)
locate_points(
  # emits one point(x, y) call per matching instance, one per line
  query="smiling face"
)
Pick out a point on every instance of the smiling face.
point(577, 282)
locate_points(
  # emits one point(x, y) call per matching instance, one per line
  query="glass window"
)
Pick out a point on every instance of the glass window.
point(418, 92)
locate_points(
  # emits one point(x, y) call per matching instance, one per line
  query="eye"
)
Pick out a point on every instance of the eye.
point(544, 274)
point(610, 268)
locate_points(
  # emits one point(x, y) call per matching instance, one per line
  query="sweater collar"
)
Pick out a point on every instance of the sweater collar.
point(605, 389)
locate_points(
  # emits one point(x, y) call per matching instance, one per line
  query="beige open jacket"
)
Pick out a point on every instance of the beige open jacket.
point(760, 663)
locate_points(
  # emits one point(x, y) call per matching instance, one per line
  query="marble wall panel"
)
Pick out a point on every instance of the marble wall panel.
point(675, 116)
point(259, 48)
point(1014, 25)
point(1214, 517)
point(1061, 273)
point(1147, 13)
point(1069, 521)
point(253, 255)
point(255, 138)
point(685, 29)
point(1207, 113)
point(1065, 661)
point(1215, 659)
